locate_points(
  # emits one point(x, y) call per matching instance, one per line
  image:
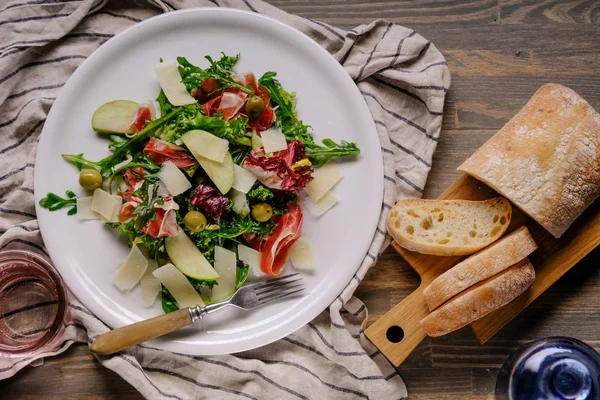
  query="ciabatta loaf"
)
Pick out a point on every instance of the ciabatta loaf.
point(488, 262)
point(480, 300)
point(546, 160)
point(448, 227)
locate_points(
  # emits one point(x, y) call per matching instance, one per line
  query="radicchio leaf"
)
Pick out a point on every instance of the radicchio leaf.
point(279, 171)
point(210, 201)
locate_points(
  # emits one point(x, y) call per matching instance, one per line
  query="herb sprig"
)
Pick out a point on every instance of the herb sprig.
point(192, 76)
point(54, 202)
point(293, 128)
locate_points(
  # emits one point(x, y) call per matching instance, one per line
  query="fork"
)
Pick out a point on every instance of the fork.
point(246, 298)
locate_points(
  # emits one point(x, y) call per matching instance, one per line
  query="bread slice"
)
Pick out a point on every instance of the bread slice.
point(448, 227)
point(488, 262)
point(480, 300)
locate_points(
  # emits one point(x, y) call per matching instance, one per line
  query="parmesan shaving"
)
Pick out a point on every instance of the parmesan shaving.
point(243, 179)
point(273, 140)
point(84, 208)
point(150, 284)
point(319, 208)
point(169, 79)
point(179, 286)
point(324, 179)
point(301, 255)
point(103, 203)
point(252, 258)
point(226, 267)
point(131, 270)
point(173, 178)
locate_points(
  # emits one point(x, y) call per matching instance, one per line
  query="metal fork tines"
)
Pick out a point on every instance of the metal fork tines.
point(265, 292)
point(255, 295)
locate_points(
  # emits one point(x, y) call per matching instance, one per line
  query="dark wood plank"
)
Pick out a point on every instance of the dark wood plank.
point(349, 13)
point(556, 11)
point(74, 374)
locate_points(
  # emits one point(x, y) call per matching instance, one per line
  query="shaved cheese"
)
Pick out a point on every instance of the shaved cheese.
point(169, 79)
point(240, 202)
point(173, 178)
point(324, 179)
point(204, 144)
point(301, 255)
point(273, 140)
point(150, 284)
point(103, 203)
point(319, 208)
point(84, 208)
point(251, 258)
point(179, 286)
point(226, 267)
point(115, 214)
point(131, 270)
point(243, 180)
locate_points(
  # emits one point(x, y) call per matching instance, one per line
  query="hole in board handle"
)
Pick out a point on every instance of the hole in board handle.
point(395, 334)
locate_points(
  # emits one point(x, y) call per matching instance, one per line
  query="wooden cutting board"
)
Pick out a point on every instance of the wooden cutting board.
point(398, 332)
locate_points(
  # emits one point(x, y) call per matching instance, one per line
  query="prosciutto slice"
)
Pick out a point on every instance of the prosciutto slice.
point(160, 152)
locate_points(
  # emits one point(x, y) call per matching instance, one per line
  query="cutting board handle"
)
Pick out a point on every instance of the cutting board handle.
point(398, 332)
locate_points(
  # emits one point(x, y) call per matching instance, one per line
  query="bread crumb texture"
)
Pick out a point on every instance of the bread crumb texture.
point(448, 227)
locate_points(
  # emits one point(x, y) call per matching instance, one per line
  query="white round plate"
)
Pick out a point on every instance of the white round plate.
point(87, 253)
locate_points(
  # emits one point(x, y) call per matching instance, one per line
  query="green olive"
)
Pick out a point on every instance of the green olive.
point(90, 179)
point(255, 107)
point(195, 221)
point(262, 212)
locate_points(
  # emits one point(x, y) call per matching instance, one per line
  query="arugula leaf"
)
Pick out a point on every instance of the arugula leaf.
point(238, 153)
point(319, 155)
point(168, 302)
point(165, 105)
point(54, 202)
point(192, 76)
point(293, 128)
point(241, 274)
point(105, 166)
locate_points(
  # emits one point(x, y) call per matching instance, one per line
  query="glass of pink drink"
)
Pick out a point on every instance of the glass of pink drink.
point(33, 303)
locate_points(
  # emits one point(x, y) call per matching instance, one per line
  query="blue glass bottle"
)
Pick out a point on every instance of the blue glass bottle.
point(555, 368)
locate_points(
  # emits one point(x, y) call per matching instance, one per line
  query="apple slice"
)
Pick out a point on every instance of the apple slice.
point(188, 259)
point(114, 117)
point(222, 174)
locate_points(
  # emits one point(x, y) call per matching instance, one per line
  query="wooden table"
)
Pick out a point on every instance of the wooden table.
point(499, 52)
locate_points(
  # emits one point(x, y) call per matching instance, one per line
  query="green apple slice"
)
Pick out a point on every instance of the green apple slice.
point(188, 259)
point(114, 117)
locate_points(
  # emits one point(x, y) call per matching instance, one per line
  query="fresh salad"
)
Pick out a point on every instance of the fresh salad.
point(207, 187)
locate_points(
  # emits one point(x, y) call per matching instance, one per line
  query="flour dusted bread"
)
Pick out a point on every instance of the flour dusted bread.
point(448, 227)
point(488, 262)
point(480, 299)
point(546, 160)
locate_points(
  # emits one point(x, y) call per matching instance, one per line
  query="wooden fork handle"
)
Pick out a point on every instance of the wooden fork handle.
point(131, 335)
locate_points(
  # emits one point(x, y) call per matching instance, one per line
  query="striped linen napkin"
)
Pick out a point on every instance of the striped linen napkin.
point(404, 80)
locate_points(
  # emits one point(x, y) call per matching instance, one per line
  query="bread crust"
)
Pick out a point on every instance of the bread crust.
point(488, 262)
point(546, 159)
point(480, 299)
point(453, 209)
